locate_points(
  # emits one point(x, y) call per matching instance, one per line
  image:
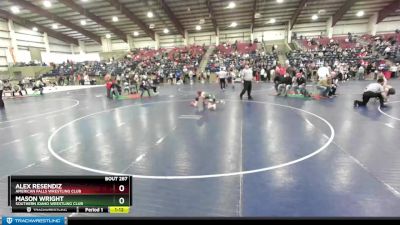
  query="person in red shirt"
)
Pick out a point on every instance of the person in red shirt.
point(387, 74)
point(282, 70)
point(79, 79)
point(107, 78)
point(108, 87)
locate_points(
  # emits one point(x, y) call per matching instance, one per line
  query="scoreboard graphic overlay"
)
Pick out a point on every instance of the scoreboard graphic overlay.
point(66, 194)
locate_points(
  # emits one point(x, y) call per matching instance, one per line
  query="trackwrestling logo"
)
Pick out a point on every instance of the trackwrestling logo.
point(33, 220)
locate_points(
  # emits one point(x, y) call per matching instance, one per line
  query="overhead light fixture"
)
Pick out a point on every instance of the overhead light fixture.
point(54, 26)
point(83, 22)
point(34, 29)
point(135, 33)
point(233, 24)
point(314, 17)
point(84, 0)
point(322, 11)
point(47, 3)
point(257, 15)
point(15, 9)
point(231, 5)
point(279, 1)
point(360, 13)
point(272, 20)
point(108, 36)
point(152, 26)
point(150, 14)
point(115, 19)
point(166, 31)
point(198, 27)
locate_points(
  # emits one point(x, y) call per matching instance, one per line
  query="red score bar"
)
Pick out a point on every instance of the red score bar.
point(74, 189)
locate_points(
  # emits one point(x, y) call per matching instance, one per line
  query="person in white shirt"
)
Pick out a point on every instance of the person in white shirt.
point(247, 74)
point(373, 90)
point(387, 50)
point(323, 72)
point(263, 74)
point(387, 89)
point(222, 76)
point(394, 69)
point(360, 72)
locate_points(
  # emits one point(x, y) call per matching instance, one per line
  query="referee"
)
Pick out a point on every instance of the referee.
point(247, 74)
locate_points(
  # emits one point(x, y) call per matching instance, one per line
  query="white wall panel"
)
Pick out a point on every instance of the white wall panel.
point(170, 41)
point(143, 43)
point(56, 57)
point(92, 47)
point(270, 35)
point(310, 29)
point(200, 38)
point(24, 56)
point(233, 35)
point(388, 25)
point(3, 25)
point(117, 45)
point(4, 44)
point(352, 26)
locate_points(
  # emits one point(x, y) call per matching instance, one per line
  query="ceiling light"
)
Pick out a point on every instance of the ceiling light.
point(198, 27)
point(83, 22)
point(314, 17)
point(150, 14)
point(202, 21)
point(273, 20)
point(360, 13)
point(108, 36)
point(152, 26)
point(34, 29)
point(231, 5)
point(233, 24)
point(84, 0)
point(135, 33)
point(322, 11)
point(166, 31)
point(115, 19)
point(54, 26)
point(279, 1)
point(15, 9)
point(257, 15)
point(47, 4)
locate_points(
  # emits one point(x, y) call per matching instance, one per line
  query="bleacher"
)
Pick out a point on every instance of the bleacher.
point(234, 56)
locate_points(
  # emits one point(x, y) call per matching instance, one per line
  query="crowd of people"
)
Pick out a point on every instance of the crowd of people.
point(141, 71)
point(387, 45)
point(228, 64)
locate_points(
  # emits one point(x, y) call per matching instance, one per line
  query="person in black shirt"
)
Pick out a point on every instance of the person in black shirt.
point(277, 81)
point(301, 85)
point(285, 85)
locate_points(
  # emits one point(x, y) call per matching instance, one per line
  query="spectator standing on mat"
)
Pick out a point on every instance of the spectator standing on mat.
point(247, 74)
point(373, 90)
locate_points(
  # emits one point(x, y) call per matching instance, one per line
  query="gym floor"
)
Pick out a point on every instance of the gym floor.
point(273, 156)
